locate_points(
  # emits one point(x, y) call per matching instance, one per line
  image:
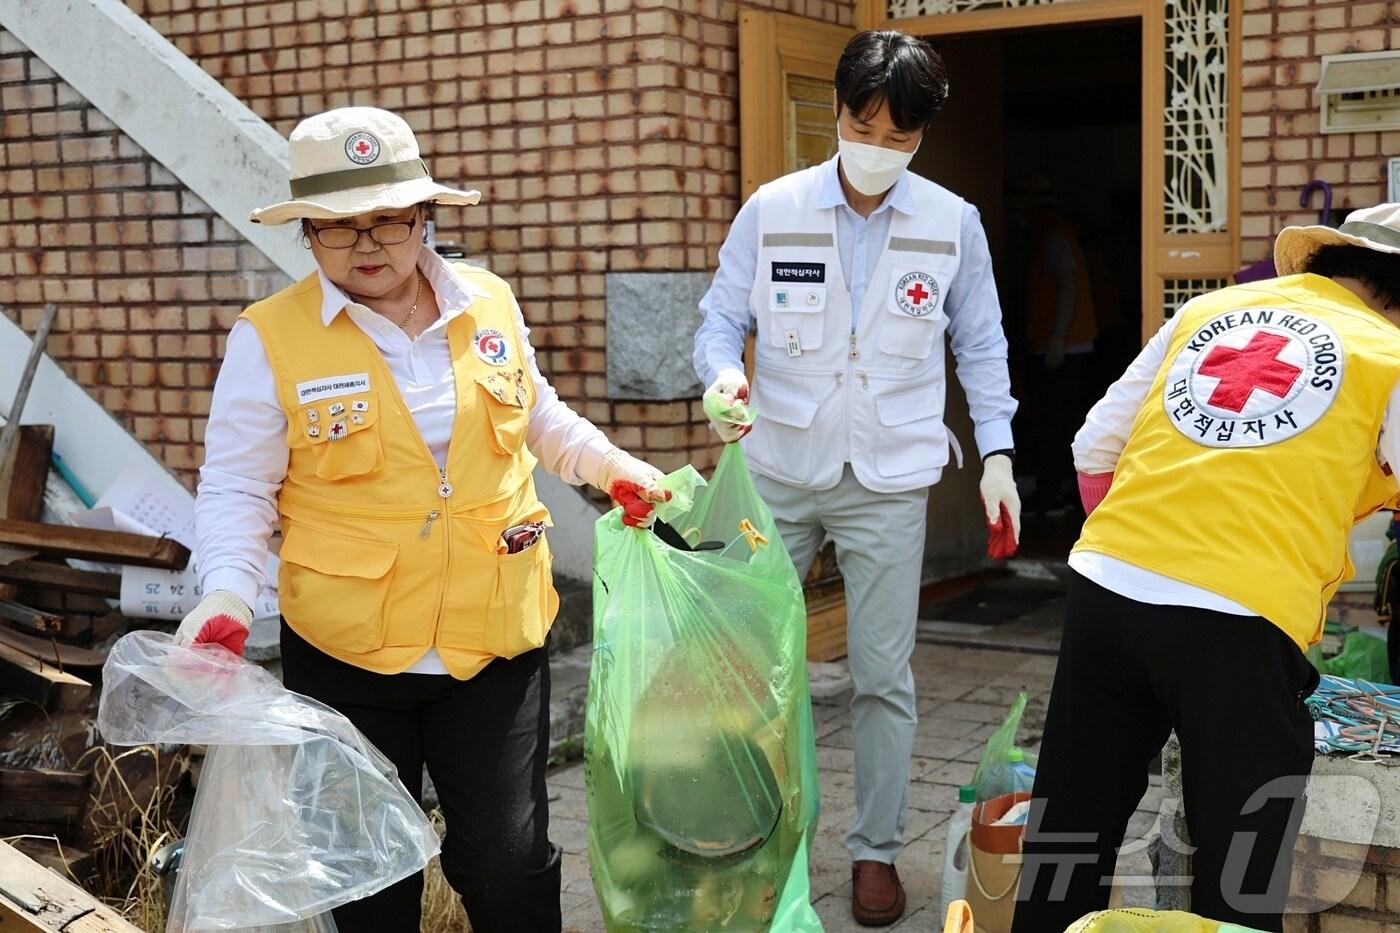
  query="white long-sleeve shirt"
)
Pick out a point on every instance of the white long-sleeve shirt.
point(1100, 443)
point(245, 442)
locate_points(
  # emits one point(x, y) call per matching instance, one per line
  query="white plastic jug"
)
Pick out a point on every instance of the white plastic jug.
point(955, 851)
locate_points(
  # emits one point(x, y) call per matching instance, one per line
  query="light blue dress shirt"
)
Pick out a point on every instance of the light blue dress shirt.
point(972, 307)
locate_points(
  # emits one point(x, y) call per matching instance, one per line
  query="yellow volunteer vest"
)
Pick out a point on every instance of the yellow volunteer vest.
point(1254, 453)
point(383, 554)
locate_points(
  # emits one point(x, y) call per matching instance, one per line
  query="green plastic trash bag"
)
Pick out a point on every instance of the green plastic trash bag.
point(1363, 657)
point(699, 752)
point(1004, 768)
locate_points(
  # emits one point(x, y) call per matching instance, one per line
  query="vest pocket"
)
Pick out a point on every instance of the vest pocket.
point(909, 329)
point(524, 602)
point(343, 436)
point(797, 308)
point(506, 410)
point(333, 587)
point(912, 437)
point(782, 439)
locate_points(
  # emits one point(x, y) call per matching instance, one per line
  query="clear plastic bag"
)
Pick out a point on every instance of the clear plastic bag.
point(701, 763)
point(296, 812)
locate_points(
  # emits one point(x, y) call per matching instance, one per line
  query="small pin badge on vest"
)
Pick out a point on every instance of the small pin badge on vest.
point(780, 298)
point(313, 431)
point(357, 419)
point(312, 416)
point(337, 431)
point(359, 405)
point(337, 408)
point(813, 298)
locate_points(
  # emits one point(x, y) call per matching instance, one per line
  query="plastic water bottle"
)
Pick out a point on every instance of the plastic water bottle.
point(1022, 773)
point(955, 851)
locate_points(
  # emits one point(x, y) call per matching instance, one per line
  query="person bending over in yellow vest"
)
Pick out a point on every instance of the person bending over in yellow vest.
point(388, 409)
point(1232, 460)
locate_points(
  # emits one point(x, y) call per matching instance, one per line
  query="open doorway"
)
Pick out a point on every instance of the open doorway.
point(1042, 132)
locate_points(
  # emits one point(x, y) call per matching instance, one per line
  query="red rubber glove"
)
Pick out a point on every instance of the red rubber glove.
point(1092, 488)
point(631, 483)
point(220, 619)
point(1001, 536)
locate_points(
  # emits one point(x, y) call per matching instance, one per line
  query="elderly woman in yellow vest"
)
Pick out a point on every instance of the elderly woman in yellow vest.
point(387, 408)
point(1232, 460)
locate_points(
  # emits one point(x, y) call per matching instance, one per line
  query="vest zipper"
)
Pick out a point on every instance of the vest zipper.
point(854, 354)
point(445, 491)
point(433, 516)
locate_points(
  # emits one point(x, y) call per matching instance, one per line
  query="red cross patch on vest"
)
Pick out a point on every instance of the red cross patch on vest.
point(1254, 377)
point(916, 294)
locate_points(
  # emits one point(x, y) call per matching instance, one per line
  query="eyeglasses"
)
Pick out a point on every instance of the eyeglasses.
point(390, 234)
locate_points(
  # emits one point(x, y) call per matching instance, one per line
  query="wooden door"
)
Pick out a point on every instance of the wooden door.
point(786, 67)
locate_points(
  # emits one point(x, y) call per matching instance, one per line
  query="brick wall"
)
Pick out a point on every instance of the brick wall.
point(1342, 888)
point(147, 279)
point(602, 133)
point(1283, 42)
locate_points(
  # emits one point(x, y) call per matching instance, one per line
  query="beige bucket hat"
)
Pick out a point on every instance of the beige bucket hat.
point(1376, 228)
point(354, 160)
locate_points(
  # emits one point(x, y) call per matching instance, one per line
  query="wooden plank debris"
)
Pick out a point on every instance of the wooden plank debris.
point(41, 802)
point(61, 655)
point(36, 900)
point(65, 579)
point(826, 628)
point(31, 620)
point(41, 681)
point(112, 547)
point(66, 861)
point(22, 480)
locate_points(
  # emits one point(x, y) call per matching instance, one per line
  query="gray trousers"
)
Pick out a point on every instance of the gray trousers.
point(880, 548)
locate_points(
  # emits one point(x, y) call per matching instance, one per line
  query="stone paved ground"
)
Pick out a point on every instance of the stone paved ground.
point(963, 694)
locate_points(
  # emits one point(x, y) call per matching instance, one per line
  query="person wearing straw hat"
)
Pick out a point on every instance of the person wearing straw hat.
point(389, 410)
point(1222, 474)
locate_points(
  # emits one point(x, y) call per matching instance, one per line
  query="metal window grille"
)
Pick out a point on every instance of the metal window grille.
point(1197, 112)
point(1176, 292)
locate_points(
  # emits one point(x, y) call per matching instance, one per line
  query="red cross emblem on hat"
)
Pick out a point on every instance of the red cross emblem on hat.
point(1242, 371)
point(362, 148)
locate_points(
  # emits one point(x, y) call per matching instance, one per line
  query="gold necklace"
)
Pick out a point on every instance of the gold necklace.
point(403, 325)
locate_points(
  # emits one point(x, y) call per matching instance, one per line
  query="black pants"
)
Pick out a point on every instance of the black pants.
point(1233, 688)
point(484, 741)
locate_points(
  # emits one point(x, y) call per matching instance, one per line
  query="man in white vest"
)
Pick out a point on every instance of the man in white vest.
point(854, 270)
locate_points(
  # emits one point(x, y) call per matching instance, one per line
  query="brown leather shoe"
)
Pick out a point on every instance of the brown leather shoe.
point(877, 897)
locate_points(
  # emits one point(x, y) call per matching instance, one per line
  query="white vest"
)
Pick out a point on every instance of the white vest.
point(825, 396)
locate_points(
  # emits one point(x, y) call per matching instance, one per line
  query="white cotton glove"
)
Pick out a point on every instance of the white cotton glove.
point(727, 405)
point(631, 483)
point(998, 489)
point(220, 619)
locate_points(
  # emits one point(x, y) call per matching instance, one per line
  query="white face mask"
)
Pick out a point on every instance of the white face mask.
point(872, 170)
